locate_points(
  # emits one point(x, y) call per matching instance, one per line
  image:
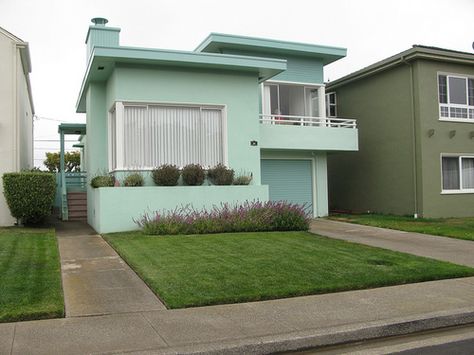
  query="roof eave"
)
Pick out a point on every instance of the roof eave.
point(264, 67)
point(401, 58)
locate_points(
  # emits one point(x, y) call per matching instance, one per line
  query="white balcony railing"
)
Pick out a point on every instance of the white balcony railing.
point(332, 122)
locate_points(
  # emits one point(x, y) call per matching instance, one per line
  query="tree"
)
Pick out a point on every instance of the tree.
point(72, 161)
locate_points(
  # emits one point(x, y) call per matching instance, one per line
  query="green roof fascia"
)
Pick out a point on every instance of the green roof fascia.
point(215, 42)
point(416, 52)
point(78, 145)
point(72, 128)
point(265, 67)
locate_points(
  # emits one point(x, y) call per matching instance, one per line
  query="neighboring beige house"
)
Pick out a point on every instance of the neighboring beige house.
point(16, 112)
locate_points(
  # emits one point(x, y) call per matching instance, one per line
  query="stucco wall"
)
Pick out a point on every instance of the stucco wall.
point(237, 91)
point(16, 150)
point(436, 204)
point(379, 177)
point(115, 209)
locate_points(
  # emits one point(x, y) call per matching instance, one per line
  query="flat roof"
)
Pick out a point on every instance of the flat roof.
point(416, 52)
point(102, 61)
point(72, 128)
point(216, 42)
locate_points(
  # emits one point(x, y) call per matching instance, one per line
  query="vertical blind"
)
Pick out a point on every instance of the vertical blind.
point(458, 173)
point(179, 135)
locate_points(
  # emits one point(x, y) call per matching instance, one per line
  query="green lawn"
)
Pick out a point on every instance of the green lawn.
point(460, 228)
point(30, 275)
point(209, 269)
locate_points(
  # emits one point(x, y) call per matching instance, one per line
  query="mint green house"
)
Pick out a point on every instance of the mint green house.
point(255, 105)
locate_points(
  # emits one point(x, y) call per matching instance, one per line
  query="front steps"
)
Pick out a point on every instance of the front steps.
point(77, 206)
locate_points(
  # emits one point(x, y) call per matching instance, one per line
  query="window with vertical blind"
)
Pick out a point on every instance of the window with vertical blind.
point(457, 173)
point(147, 136)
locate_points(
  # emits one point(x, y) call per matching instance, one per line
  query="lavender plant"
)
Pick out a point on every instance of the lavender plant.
point(250, 216)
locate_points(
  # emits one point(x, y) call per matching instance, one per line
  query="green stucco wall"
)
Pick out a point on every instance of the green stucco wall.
point(299, 69)
point(281, 136)
point(237, 91)
point(436, 204)
point(115, 208)
point(380, 176)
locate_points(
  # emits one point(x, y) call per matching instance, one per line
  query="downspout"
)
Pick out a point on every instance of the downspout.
point(413, 117)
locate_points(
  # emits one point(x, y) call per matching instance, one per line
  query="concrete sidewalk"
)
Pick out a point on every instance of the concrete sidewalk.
point(96, 281)
point(257, 328)
point(442, 248)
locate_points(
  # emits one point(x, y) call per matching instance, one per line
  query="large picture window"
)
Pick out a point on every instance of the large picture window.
point(456, 97)
point(146, 136)
point(458, 173)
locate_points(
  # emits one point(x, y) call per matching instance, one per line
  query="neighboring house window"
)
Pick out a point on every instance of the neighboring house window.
point(331, 105)
point(456, 97)
point(458, 173)
point(159, 134)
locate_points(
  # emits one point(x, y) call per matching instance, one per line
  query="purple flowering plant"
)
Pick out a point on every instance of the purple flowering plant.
point(250, 216)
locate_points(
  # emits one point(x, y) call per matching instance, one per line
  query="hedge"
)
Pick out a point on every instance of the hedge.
point(29, 195)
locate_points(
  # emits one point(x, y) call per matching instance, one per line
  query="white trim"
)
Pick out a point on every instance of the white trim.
point(460, 156)
point(462, 120)
point(457, 192)
point(119, 134)
point(294, 83)
point(449, 105)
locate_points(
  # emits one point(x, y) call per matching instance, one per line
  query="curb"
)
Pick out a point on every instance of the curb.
point(319, 338)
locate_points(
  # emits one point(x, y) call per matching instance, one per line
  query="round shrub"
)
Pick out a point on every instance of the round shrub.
point(221, 175)
point(29, 195)
point(243, 180)
point(166, 175)
point(193, 175)
point(133, 180)
point(103, 181)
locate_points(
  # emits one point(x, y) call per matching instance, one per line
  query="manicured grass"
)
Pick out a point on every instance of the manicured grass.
point(30, 275)
point(460, 228)
point(209, 269)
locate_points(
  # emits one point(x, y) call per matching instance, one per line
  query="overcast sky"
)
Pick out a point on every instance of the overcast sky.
point(371, 30)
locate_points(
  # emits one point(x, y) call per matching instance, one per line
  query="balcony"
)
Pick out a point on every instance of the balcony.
point(308, 133)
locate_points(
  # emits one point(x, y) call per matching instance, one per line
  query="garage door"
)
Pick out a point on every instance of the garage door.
point(289, 180)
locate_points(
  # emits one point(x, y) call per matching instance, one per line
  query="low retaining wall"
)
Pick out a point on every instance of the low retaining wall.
point(113, 209)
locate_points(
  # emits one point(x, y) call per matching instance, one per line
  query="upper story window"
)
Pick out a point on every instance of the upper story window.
point(456, 97)
point(143, 137)
point(287, 101)
point(331, 105)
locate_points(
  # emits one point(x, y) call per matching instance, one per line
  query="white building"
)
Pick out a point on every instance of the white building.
point(16, 112)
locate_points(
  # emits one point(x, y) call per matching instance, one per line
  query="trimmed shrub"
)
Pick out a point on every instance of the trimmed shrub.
point(29, 195)
point(247, 217)
point(221, 175)
point(103, 181)
point(243, 180)
point(193, 175)
point(166, 175)
point(134, 180)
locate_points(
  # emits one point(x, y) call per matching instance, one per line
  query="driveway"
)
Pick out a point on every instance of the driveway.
point(442, 248)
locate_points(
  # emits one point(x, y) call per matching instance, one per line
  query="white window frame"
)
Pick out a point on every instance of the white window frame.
point(119, 108)
point(321, 94)
point(450, 105)
point(460, 156)
point(328, 104)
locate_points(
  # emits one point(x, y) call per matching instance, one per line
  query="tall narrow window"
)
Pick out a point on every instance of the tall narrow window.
point(156, 134)
point(331, 104)
point(450, 173)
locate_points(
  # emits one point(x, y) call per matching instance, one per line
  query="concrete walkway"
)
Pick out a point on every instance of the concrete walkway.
point(442, 248)
point(96, 281)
